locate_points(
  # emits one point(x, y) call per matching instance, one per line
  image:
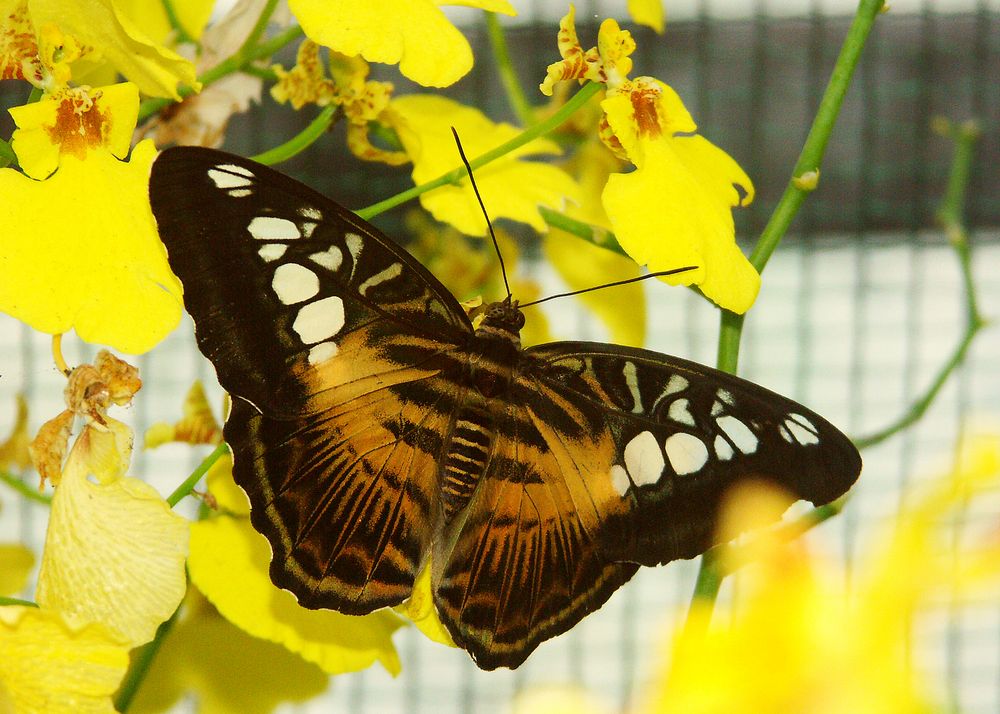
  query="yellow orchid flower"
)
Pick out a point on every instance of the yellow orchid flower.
point(229, 565)
point(511, 187)
point(227, 671)
point(362, 101)
point(47, 36)
point(416, 34)
point(114, 551)
point(675, 209)
point(100, 267)
point(49, 666)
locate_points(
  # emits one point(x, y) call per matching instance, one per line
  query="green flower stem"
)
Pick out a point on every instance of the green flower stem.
point(175, 23)
point(4, 601)
point(457, 174)
point(951, 216)
point(191, 481)
point(24, 489)
point(810, 158)
point(523, 110)
point(233, 64)
point(258, 29)
point(301, 141)
point(142, 659)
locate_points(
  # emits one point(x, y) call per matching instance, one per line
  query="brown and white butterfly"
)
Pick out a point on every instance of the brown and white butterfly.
point(373, 428)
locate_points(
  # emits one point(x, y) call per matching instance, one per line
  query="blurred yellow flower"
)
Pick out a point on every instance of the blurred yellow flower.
point(416, 34)
point(49, 667)
point(81, 248)
point(224, 669)
point(229, 565)
point(675, 209)
point(799, 642)
point(583, 265)
point(648, 13)
point(197, 426)
point(16, 563)
point(511, 187)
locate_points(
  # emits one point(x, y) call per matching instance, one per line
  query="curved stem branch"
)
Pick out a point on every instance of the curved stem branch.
point(301, 141)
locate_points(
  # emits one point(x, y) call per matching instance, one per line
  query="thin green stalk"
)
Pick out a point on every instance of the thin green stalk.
point(175, 22)
point(24, 489)
point(191, 481)
point(258, 29)
point(301, 141)
point(951, 214)
point(523, 110)
point(810, 158)
point(589, 232)
point(16, 601)
point(233, 64)
point(455, 175)
point(141, 662)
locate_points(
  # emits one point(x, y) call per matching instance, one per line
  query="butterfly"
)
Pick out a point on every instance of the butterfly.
point(375, 430)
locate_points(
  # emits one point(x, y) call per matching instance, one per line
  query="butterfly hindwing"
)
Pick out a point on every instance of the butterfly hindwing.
point(606, 458)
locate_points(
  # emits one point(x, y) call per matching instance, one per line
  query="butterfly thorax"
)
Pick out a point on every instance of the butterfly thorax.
point(493, 352)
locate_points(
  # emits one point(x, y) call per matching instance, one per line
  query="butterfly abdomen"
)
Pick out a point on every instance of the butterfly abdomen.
point(467, 456)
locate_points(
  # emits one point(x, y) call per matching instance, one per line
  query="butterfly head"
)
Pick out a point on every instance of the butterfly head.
point(502, 319)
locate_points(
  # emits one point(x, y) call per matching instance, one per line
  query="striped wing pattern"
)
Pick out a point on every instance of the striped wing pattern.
point(374, 429)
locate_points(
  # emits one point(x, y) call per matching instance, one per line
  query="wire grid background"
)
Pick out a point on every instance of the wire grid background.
point(859, 308)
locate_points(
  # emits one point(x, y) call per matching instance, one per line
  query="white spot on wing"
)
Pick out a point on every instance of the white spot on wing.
point(723, 450)
point(632, 382)
point(717, 408)
point(802, 429)
point(680, 413)
point(726, 397)
point(739, 433)
point(313, 214)
point(796, 425)
point(271, 251)
point(294, 283)
point(354, 243)
point(239, 192)
point(329, 259)
point(380, 277)
point(227, 176)
point(320, 320)
point(619, 480)
point(675, 385)
point(273, 228)
point(322, 352)
point(687, 453)
point(643, 459)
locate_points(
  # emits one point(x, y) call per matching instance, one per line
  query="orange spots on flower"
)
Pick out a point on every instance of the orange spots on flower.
point(645, 100)
point(80, 125)
point(18, 48)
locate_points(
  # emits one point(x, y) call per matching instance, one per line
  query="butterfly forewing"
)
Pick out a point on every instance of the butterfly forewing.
point(276, 275)
point(373, 429)
point(315, 323)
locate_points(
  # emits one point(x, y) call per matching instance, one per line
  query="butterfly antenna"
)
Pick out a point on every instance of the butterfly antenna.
point(475, 188)
point(647, 276)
